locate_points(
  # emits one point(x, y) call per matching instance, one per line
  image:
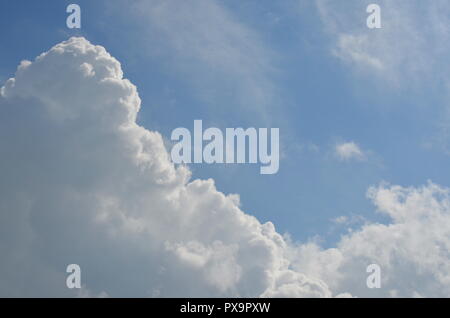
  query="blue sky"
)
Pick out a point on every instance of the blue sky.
point(292, 81)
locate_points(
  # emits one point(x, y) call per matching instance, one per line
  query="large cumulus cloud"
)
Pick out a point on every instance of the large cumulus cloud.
point(82, 182)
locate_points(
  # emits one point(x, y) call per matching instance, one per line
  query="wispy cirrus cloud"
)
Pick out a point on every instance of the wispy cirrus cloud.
point(223, 59)
point(410, 47)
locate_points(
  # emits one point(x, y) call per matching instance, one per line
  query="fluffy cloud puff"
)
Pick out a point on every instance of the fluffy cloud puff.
point(82, 183)
point(413, 249)
point(348, 151)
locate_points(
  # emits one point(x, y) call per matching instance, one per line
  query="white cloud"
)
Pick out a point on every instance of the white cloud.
point(349, 151)
point(353, 49)
point(407, 57)
point(408, 49)
point(83, 183)
point(412, 250)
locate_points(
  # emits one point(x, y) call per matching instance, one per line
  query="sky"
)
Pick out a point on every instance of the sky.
point(364, 128)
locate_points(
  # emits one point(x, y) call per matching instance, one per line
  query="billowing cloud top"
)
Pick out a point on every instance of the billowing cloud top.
point(83, 183)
